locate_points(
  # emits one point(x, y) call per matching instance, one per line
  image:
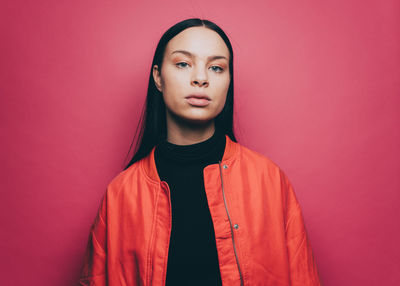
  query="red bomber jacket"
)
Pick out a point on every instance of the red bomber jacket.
point(259, 229)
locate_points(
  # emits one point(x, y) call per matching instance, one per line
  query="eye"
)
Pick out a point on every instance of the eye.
point(217, 69)
point(182, 65)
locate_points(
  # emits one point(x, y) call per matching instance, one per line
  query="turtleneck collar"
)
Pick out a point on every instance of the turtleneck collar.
point(205, 152)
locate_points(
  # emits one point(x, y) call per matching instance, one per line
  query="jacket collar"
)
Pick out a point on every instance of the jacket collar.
point(149, 164)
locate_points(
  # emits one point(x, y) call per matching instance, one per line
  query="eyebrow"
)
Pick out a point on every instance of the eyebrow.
point(191, 55)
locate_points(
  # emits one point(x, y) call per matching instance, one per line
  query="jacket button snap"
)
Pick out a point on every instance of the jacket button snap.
point(235, 226)
point(225, 166)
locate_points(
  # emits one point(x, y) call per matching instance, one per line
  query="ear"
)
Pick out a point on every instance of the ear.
point(157, 77)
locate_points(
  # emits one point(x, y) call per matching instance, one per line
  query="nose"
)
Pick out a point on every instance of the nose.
point(199, 77)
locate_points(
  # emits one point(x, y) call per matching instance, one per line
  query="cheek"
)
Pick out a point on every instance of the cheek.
point(223, 86)
point(223, 92)
point(172, 91)
point(173, 79)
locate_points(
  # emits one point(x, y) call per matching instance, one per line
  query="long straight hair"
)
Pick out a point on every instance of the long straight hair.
point(152, 124)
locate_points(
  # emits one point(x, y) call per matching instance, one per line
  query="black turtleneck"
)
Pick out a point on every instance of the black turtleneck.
point(192, 257)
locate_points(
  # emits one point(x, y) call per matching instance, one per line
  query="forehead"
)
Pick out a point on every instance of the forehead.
point(200, 41)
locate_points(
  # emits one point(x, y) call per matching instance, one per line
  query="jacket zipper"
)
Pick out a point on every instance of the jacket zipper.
point(230, 223)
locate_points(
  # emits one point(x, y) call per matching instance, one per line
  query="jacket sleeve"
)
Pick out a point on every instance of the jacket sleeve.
point(302, 264)
point(93, 272)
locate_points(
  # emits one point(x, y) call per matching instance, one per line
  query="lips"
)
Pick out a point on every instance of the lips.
point(198, 100)
point(199, 96)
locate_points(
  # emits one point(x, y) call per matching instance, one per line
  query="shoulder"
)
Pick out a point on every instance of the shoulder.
point(261, 161)
point(261, 164)
point(123, 179)
point(267, 170)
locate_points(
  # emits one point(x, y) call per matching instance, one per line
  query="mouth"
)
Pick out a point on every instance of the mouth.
point(198, 100)
point(199, 96)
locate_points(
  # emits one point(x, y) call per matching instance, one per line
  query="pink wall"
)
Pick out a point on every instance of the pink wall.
point(317, 90)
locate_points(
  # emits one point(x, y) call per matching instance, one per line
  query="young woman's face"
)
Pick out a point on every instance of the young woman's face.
point(196, 62)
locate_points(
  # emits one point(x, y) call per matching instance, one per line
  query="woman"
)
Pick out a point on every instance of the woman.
point(194, 207)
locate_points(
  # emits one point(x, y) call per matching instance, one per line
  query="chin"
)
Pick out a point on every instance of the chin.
point(198, 120)
point(193, 117)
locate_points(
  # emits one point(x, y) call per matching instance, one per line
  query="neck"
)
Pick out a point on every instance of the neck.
point(187, 134)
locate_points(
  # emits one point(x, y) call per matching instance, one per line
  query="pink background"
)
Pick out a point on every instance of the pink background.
point(317, 90)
